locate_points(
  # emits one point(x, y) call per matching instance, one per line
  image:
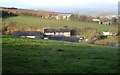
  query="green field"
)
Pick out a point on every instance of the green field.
point(34, 21)
point(24, 55)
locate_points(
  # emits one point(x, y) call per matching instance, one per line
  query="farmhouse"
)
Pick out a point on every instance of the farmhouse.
point(109, 33)
point(96, 20)
point(65, 16)
point(100, 21)
point(64, 32)
point(29, 34)
point(105, 22)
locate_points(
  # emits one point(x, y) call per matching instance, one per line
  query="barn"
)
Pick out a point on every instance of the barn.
point(63, 38)
point(29, 34)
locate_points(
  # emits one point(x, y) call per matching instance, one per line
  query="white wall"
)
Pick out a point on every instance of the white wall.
point(49, 33)
point(61, 33)
point(30, 36)
point(66, 34)
point(107, 33)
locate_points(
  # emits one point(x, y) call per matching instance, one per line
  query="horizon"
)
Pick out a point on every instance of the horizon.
point(66, 6)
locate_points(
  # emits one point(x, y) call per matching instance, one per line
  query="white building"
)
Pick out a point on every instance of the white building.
point(65, 16)
point(95, 20)
point(64, 32)
point(107, 33)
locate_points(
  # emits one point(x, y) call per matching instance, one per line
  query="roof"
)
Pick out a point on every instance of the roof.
point(95, 20)
point(63, 38)
point(66, 14)
point(56, 30)
point(27, 33)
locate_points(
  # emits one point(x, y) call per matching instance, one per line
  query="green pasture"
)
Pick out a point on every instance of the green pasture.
point(24, 55)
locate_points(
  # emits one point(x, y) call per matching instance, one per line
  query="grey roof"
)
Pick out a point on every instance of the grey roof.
point(63, 38)
point(27, 33)
point(56, 30)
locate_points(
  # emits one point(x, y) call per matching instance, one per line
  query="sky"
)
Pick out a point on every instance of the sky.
point(64, 5)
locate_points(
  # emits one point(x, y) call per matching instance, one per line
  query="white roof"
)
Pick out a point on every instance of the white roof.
point(64, 14)
point(95, 20)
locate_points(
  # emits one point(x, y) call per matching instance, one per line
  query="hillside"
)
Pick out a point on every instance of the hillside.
point(34, 21)
point(19, 11)
point(24, 55)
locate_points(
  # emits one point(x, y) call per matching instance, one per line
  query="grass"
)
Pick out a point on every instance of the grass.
point(34, 21)
point(24, 55)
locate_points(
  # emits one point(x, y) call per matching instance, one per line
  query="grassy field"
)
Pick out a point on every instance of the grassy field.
point(34, 21)
point(24, 55)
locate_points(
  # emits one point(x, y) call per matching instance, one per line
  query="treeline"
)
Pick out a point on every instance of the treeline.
point(30, 14)
point(7, 14)
point(10, 14)
point(77, 17)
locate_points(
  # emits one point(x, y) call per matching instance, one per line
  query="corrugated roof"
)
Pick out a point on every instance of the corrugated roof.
point(63, 38)
point(27, 33)
point(56, 30)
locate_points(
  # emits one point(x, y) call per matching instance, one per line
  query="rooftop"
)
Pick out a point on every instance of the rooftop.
point(56, 30)
point(27, 33)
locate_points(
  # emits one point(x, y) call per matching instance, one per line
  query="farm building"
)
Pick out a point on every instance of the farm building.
point(65, 16)
point(63, 38)
point(101, 21)
point(96, 20)
point(109, 33)
point(105, 23)
point(51, 34)
point(64, 32)
point(29, 34)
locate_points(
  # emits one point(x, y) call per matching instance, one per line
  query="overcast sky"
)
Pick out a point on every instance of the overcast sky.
point(63, 5)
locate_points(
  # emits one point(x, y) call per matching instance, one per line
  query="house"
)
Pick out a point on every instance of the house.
point(96, 20)
point(100, 21)
point(65, 32)
point(65, 16)
point(107, 33)
point(29, 34)
point(106, 23)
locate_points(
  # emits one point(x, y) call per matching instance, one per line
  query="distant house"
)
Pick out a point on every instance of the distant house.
point(64, 32)
point(65, 16)
point(29, 34)
point(100, 21)
point(105, 22)
point(109, 33)
point(96, 20)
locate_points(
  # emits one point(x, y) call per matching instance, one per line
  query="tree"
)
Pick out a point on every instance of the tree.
point(75, 17)
point(83, 18)
point(114, 20)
